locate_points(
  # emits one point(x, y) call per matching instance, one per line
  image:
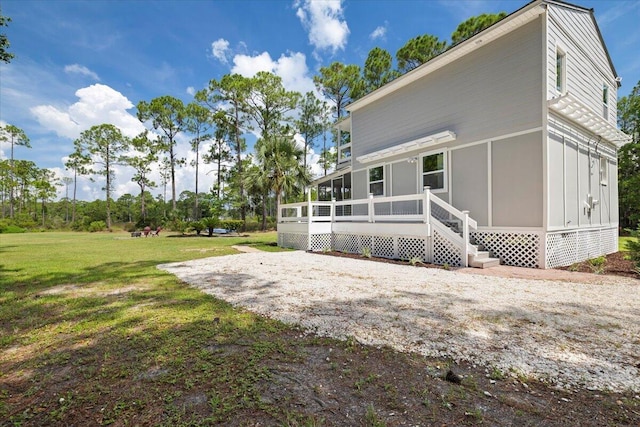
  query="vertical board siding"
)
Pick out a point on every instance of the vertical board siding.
point(517, 181)
point(469, 181)
point(495, 90)
point(586, 59)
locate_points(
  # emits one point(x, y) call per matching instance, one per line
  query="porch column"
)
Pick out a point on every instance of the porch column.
point(371, 208)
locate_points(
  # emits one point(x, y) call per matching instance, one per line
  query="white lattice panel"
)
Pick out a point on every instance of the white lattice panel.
point(609, 239)
point(562, 249)
point(589, 244)
point(293, 240)
point(567, 248)
point(346, 243)
point(445, 252)
point(513, 248)
point(383, 247)
point(320, 242)
point(409, 248)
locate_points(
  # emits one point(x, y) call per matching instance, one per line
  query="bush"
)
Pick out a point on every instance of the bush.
point(197, 226)
point(634, 248)
point(210, 223)
point(231, 224)
point(97, 226)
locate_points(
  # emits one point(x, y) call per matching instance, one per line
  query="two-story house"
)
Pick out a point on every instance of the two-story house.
point(512, 133)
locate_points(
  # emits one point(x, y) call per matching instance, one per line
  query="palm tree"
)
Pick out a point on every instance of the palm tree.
point(280, 168)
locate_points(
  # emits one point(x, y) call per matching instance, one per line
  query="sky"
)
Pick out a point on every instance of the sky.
point(84, 63)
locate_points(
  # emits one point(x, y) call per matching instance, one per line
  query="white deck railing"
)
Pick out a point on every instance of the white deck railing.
point(412, 208)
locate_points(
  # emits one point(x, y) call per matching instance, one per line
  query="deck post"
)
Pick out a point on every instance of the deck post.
point(333, 210)
point(371, 212)
point(309, 220)
point(465, 238)
point(426, 208)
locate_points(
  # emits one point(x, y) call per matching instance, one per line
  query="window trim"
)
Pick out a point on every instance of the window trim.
point(383, 180)
point(445, 170)
point(561, 77)
point(604, 171)
point(605, 100)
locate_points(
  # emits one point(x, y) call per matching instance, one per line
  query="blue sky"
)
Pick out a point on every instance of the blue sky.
point(81, 63)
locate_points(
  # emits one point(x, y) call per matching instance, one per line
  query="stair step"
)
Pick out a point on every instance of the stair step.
point(484, 262)
point(481, 255)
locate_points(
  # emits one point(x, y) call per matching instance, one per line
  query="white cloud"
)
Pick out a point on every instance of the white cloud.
point(219, 49)
point(191, 90)
point(379, 33)
point(292, 68)
point(324, 22)
point(97, 104)
point(81, 69)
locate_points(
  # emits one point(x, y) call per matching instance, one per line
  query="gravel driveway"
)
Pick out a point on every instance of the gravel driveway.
point(569, 334)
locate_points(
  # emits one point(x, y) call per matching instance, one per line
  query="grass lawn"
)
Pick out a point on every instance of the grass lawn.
point(91, 330)
point(92, 333)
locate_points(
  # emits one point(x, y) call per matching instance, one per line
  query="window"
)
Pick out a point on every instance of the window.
point(604, 171)
point(605, 101)
point(433, 171)
point(344, 148)
point(376, 181)
point(561, 70)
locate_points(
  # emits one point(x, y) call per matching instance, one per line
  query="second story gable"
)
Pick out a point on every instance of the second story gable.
point(577, 60)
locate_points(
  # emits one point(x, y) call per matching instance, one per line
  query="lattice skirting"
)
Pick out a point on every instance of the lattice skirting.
point(445, 252)
point(519, 249)
point(394, 247)
point(567, 248)
point(293, 240)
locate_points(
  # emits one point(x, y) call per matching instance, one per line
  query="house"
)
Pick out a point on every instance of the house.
point(504, 145)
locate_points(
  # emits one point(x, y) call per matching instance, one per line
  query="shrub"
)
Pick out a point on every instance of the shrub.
point(634, 248)
point(231, 224)
point(197, 226)
point(11, 228)
point(97, 226)
point(211, 223)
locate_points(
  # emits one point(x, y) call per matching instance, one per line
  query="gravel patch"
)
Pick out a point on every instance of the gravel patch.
point(572, 335)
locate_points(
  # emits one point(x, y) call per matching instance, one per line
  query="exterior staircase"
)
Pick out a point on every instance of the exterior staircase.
point(482, 258)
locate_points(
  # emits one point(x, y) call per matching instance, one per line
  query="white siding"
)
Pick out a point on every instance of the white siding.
point(495, 90)
point(586, 59)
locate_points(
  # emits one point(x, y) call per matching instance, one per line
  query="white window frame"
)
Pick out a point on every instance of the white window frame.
point(605, 100)
point(444, 170)
point(604, 171)
point(562, 76)
point(383, 180)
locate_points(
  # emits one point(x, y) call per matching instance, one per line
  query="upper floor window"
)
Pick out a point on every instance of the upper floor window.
point(561, 71)
point(433, 171)
point(605, 101)
point(376, 181)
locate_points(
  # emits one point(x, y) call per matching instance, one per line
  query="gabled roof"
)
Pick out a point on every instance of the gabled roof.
point(511, 22)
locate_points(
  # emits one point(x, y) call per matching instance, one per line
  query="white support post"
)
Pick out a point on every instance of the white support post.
point(333, 211)
point(426, 208)
point(371, 208)
point(309, 208)
point(465, 239)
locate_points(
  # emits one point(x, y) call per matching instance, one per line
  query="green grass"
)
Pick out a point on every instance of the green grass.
point(88, 321)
